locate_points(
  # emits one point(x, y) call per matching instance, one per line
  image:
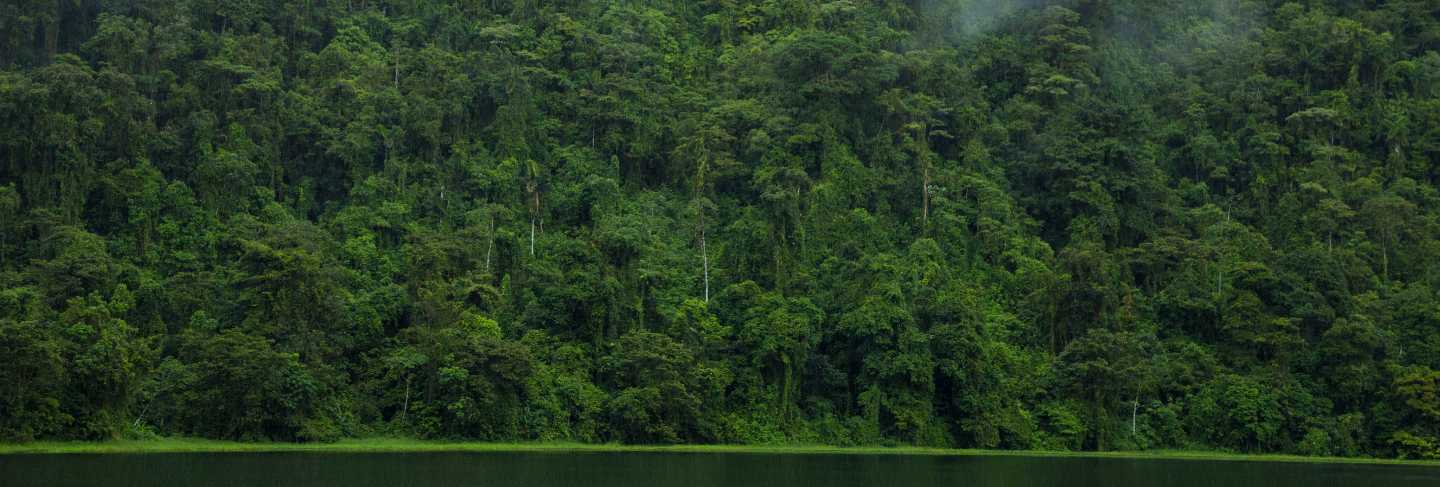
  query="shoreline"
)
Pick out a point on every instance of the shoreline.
point(386, 445)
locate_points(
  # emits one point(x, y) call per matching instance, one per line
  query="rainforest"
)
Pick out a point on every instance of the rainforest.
point(1035, 225)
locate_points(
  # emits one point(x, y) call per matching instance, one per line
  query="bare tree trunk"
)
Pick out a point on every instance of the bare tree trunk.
point(405, 410)
point(704, 256)
point(925, 194)
point(1134, 409)
point(534, 213)
point(141, 417)
point(490, 244)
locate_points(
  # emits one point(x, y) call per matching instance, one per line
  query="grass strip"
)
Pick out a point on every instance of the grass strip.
point(393, 445)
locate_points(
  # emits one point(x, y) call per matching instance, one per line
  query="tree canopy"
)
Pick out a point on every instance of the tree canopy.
point(1050, 224)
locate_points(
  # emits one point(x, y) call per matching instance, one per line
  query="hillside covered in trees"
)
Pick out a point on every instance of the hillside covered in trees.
point(1083, 224)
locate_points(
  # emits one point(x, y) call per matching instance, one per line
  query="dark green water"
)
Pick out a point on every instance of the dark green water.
point(675, 469)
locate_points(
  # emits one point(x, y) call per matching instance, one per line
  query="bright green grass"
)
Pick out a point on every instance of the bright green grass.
point(176, 445)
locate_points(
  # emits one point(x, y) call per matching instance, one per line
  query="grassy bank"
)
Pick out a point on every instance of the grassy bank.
point(185, 445)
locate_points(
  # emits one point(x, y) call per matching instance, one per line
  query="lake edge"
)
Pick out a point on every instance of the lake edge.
point(386, 445)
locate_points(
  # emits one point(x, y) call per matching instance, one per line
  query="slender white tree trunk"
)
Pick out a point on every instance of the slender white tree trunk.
point(1134, 409)
point(705, 260)
point(405, 410)
point(534, 216)
point(490, 244)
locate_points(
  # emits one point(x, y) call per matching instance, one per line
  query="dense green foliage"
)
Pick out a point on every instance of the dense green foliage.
point(1083, 224)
